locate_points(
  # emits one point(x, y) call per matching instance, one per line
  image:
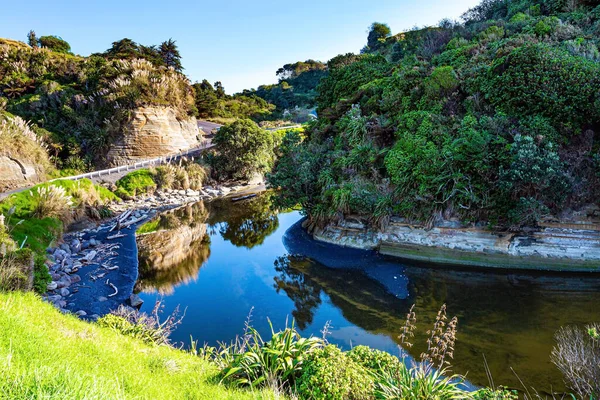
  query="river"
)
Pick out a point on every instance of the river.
point(221, 261)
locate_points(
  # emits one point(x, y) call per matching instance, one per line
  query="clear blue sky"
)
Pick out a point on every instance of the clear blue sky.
point(240, 43)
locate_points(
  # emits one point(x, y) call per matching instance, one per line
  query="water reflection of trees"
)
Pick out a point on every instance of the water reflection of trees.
point(245, 224)
point(305, 293)
point(165, 279)
point(509, 318)
point(363, 301)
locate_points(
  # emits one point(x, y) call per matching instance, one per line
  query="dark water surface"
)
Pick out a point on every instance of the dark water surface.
point(220, 260)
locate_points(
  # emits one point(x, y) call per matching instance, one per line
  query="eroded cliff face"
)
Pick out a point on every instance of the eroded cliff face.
point(16, 173)
point(152, 132)
point(562, 246)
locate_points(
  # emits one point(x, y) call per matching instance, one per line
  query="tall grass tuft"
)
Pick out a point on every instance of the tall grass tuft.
point(577, 356)
point(52, 202)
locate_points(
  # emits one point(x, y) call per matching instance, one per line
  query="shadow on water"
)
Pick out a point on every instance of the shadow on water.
point(219, 259)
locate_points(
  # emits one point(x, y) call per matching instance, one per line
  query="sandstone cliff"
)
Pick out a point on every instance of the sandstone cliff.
point(152, 132)
point(23, 157)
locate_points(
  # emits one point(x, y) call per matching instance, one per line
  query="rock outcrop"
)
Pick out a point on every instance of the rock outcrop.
point(152, 132)
point(558, 246)
point(15, 173)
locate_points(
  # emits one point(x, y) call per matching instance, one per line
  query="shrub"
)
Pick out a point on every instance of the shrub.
point(135, 183)
point(374, 360)
point(330, 374)
point(16, 271)
point(196, 175)
point(420, 382)
point(539, 79)
point(243, 149)
point(55, 43)
point(499, 393)
point(148, 328)
point(577, 356)
point(164, 176)
point(253, 362)
point(41, 275)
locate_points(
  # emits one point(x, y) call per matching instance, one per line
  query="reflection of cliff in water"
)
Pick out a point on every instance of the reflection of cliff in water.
point(174, 251)
point(173, 246)
point(508, 317)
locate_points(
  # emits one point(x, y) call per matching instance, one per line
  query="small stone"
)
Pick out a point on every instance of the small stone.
point(93, 242)
point(65, 247)
point(54, 298)
point(52, 286)
point(85, 245)
point(102, 299)
point(135, 301)
point(81, 313)
point(75, 278)
point(94, 317)
point(64, 292)
point(75, 246)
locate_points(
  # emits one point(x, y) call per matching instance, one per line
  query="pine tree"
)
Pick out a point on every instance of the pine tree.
point(170, 54)
point(32, 39)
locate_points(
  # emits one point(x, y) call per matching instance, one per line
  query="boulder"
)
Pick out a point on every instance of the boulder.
point(135, 301)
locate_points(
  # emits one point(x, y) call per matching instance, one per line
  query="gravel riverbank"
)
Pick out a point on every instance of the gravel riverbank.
point(94, 270)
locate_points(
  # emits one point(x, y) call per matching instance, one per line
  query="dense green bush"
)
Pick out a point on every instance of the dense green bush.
point(55, 43)
point(243, 150)
point(490, 121)
point(547, 81)
point(135, 183)
point(330, 374)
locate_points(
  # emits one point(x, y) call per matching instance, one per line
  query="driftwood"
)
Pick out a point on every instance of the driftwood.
point(250, 196)
point(133, 221)
point(106, 267)
point(114, 288)
point(118, 235)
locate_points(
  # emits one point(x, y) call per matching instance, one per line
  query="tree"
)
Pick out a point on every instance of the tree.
point(55, 43)
point(244, 149)
point(123, 49)
point(32, 39)
point(170, 54)
point(206, 98)
point(378, 32)
point(220, 90)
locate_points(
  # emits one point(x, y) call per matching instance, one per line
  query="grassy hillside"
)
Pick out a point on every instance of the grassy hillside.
point(44, 354)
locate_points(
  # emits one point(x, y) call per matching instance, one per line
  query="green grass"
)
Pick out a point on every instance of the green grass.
point(45, 354)
point(149, 227)
point(40, 233)
point(135, 183)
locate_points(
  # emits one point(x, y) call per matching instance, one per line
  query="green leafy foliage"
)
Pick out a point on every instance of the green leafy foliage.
point(135, 183)
point(490, 121)
point(330, 374)
point(243, 149)
point(54, 43)
point(254, 362)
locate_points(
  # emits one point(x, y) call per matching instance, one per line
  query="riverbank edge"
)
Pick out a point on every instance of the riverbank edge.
point(549, 249)
point(146, 207)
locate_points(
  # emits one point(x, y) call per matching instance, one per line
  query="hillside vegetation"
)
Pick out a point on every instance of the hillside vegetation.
point(494, 120)
point(77, 103)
